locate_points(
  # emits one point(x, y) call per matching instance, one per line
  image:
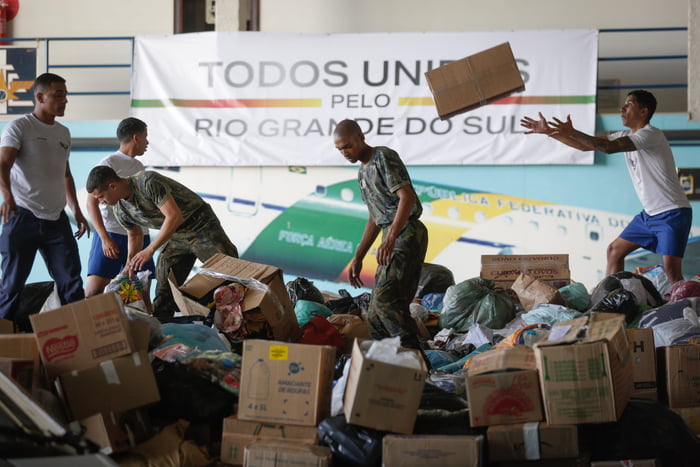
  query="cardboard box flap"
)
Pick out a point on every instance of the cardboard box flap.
point(604, 326)
point(186, 306)
point(519, 357)
point(565, 332)
point(221, 268)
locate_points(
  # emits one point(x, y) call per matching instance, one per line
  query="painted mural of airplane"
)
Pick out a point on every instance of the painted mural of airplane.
point(308, 220)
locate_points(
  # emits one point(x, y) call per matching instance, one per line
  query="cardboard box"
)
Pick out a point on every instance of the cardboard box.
point(23, 347)
point(114, 385)
point(380, 395)
point(691, 417)
point(6, 326)
point(532, 441)
point(585, 370)
point(643, 363)
point(276, 453)
point(82, 334)
point(21, 370)
point(286, 383)
point(237, 434)
point(502, 387)
point(266, 292)
point(504, 269)
point(679, 375)
point(116, 431)
point(626, 463)
point(532, 292)
point(432, 450)
point(475, 81)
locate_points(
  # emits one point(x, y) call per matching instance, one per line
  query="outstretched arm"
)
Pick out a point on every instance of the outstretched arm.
point(564, 131)
point(541, 126)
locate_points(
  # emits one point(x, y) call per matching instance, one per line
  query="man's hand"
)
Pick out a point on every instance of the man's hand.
point(536, 126)
point(8, 209)
point(110, 248)
point(563, 128)
point(83, 226)
point(354, 273)
point(138, 261)
point(385, 250)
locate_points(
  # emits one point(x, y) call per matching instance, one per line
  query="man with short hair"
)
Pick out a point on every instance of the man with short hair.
point(35, 183)
point(189, 229)
point(394, 210)
point(664, 224)
point(108, 253)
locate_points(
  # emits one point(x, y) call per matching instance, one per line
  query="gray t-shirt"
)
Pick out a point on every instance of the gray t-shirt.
point(37, 178)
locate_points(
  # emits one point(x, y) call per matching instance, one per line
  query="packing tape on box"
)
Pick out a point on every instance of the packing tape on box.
point(531, 439)
point(110, 372)
point(482, 98)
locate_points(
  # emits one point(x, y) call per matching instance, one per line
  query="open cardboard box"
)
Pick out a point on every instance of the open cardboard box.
point(266, 291)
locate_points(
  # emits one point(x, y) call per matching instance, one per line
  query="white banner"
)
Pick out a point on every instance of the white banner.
point(249, 98)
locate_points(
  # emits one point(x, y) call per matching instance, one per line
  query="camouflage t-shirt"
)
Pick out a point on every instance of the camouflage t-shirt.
point(149, 190)
point(379, 180)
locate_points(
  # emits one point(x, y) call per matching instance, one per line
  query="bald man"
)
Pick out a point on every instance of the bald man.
point(394, 209)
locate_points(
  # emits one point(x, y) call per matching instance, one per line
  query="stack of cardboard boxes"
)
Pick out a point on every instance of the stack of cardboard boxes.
point(98, 361)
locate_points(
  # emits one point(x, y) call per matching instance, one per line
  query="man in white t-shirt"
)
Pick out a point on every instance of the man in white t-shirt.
point(109, 250)
point(664, 224)
point(35, 183)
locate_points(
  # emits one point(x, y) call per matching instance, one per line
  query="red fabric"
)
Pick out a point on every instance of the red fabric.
point(319, 331)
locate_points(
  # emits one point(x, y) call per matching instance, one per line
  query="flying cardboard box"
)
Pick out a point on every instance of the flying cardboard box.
point(504, 269)
point(679, 375)
point(502, 387)
point(280, 453)
point(532, 441)
point(266, 292)
point(237, 434)
point(82, 334)
point(585, 370)
point(382, 395)
point(286, 383)
point(475, 81)
point(643, 363)
point(432, 450)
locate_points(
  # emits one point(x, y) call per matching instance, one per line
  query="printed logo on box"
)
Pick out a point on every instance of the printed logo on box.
point(57, 347)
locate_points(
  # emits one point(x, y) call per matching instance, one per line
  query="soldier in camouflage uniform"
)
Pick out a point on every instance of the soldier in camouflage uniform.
point(189, 229)
point(394, 209)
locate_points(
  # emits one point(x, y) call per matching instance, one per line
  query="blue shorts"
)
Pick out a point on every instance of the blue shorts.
point(666, 233)
point(100, 265)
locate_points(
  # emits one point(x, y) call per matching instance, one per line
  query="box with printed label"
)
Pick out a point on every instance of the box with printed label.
point(237, 434)
point(382, 395)
point(679, 375)
point(286, 383)
point(82, 334)
point(474, 81)
point(585, 370)
point(502, 387)
point(643, 363)
point(278, 453)
point(532, 441)
point(504, 270)
point(265, 292)
point(432, 450)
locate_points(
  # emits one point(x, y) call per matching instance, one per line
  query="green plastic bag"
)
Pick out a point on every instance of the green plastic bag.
point(476, 301)
point(306, 310)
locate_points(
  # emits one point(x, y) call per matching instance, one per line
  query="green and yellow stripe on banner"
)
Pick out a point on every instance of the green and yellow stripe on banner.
point(226, 103)
point(524, 100)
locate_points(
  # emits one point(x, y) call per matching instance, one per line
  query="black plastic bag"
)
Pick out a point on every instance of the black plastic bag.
point(31, 300)
point(616, 281)
point(349, 305)
point(304, 289)
point(645, 430)
point(442, 413)
point(618, 301)
point(187, 394)
point(351, 445)
point(434, 278)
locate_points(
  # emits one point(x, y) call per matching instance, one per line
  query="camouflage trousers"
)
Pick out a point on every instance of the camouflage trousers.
point(199, 237)
point(395, 285)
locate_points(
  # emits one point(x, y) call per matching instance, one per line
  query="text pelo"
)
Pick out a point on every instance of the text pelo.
point(333, 73)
